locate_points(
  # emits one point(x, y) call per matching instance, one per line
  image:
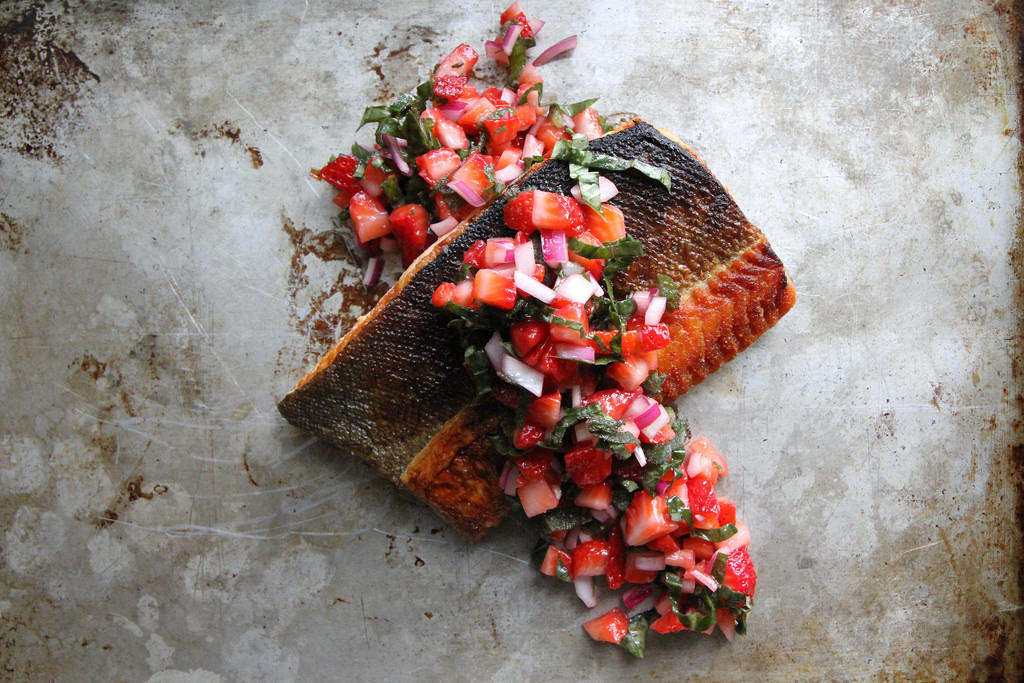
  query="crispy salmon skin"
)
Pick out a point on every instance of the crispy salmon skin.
point(394, 391)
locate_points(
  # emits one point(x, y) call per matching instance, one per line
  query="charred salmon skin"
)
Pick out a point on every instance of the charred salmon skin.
point(394, 390)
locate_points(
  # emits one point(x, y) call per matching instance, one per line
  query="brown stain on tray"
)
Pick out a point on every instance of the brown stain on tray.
point(41, 83)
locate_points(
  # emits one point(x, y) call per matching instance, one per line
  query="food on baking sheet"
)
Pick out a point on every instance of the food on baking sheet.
point(445, 148)
point(540, 261)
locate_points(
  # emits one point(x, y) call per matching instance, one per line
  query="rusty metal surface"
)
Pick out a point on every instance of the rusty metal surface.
point(168, 272)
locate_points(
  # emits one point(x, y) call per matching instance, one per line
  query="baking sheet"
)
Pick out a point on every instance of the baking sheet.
point(169, 271)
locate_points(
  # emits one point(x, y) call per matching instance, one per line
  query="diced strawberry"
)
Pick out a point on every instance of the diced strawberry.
point(494, 289)
point(616, 573)
point(634, 575)
point(703, 502)
point(473, 173)
point(702, 548)
point(526, 334)
point(369, 216)
point(535, 465)
point(572, 312)
point(667, 623)
point(681, 558)
point(590, 558)
point(715, 464)
point(342, 199)
point(608, 226)
point(529, 75)
point(474, 113)
point(459, 62)
point(512, 13)
point(443, 294)
point(526, 113)
point(448, 133)
point(441, 207)
point(739, 572)
point(647, 519)
point(612, 401)
point(654, 337)
point(450, 86)
point(519, 212)
point(594, 266)
point(587, 123)
point(436, 164)
point(664, 544)
point(553, 211)
point(726, 512)
point(532, 99)
point(527, 436)
point(502, 129)
point(549, 566)
point(463, 294)
point(508, 157)
point(629, 374)
point(339, 172)
point(663, 435)
point(373, 179)
point(610, 627)
point(587, 465)
point(545, 410)
point(409, 224)
point(537, 497)
point(476, 255)
point(595, 496)
point(548, 134)
point(497, 251)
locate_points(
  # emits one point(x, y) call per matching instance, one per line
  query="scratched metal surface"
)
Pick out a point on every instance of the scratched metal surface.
point(168, 272)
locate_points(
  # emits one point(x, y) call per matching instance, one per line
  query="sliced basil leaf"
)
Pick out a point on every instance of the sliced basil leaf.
point(695, 621)
point(668, 288)
point(652, 385)
point(561, 572)
point(621, 248)
point(678, 512)
point(516, 62)
point(721, 560)
point(374, 114)
point(478, 364)
point(635, 639)
point(732, 599)
point(524, 98)
point(716, 535)
point(563, 519)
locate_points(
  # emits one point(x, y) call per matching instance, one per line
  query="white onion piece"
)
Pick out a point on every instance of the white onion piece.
point(575, 395)
point(575, 288)
point(641, 458)
point(572, 538)
point(607, 188)
point(525, 259)
point(389, 244)
point(462, 188)
point(642, 301)
point(574, 352)
point(555, 50)
point(582, 435)
point(655, 310)
point(727, 624)
point(538, 290)
point(374, 267)
point(394, 147)
point(600, 515)
point(598, 289)
point(509, 173)
point(442, 228)
point(494, 350)
point(693, 463)
point(522, 374)
point(650, 562)
point(585, 590)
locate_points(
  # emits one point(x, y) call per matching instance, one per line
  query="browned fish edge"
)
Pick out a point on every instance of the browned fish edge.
point(722, 312)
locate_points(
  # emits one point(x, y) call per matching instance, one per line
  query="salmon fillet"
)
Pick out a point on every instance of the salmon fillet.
point(394, 391)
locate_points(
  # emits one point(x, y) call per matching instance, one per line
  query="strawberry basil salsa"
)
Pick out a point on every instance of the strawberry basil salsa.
point(591, 455)
point(445, 148)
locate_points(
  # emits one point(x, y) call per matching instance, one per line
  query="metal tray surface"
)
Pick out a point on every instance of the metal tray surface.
point(169, 270)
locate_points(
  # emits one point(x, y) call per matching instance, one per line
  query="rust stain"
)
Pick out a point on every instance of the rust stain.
point(248, 472)
point(224, 131)
point(40, 84)
point(12, 234)
point(317, 325)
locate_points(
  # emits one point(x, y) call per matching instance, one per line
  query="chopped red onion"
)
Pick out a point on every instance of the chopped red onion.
point(442, 228)
point(508, 96)
point(555, 50)
point(655, 310)
point(510, 172)
point(572, 538)
point(601, 515)
point(576, 396)
point(396, 154)
point(637, 406)
point(662, 486)
point(575, 288)
point(374, 267)
point(574, 352)
point(462, 188)
point(510, 38)
point(649, 415)
point(453, 109)
point(585, 590)
point(538, 290)
point(637, 594)
point(737, 540)
point(522, 374)
point(727, 623)
point(499, 250)
point(492, 49)
point(598, 289)
point(582, 434)
point(694, 463)
point(700, 577)
point(506, 472)
point(642, 300)
point(554, 246)
point(525, 258)
point(652, 429)
point(389, 244)
point(641, 458)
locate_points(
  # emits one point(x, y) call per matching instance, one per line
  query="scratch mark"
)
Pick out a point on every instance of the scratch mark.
point(362, 613)
point(921, 547)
